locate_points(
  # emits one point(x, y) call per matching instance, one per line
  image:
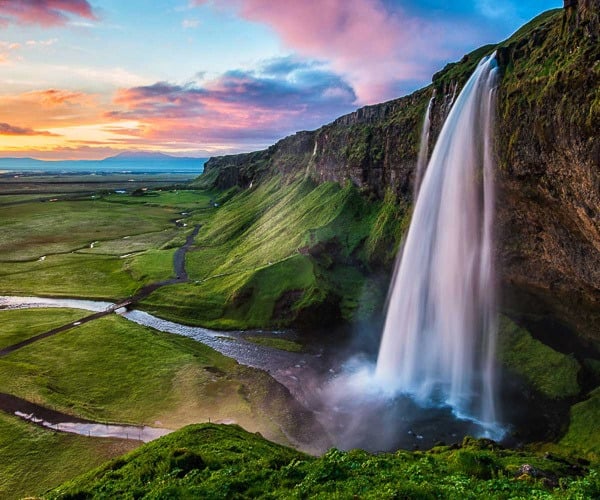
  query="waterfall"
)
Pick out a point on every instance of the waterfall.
point(439, 337)
point(423, 149)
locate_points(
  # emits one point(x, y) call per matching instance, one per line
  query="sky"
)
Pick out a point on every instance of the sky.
point(86, 79)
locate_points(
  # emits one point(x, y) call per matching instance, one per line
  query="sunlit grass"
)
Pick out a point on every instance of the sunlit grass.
point(20, 324)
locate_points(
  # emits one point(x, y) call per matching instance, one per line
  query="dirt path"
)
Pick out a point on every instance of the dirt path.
point(179, 257)
point(7, 350)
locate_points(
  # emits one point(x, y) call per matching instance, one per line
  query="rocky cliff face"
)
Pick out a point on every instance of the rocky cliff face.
point(548, 170)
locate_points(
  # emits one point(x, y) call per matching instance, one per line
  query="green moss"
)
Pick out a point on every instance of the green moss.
point(583, 435)
point(550, 372)
point(209, 461)
point(391, 222)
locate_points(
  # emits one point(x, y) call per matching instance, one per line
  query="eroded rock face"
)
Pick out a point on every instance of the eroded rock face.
point(548, 177)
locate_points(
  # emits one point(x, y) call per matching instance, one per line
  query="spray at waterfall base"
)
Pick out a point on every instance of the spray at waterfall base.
point(435, 376)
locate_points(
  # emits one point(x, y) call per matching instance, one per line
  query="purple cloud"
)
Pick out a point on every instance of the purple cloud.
point(7, 129)
point(279, 97)
point(44, 12)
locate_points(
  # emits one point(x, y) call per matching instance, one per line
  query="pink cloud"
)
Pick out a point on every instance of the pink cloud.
point(7, 129)
point(44, 12)
point(380, 50)
point(55, 97)
point(239, 107)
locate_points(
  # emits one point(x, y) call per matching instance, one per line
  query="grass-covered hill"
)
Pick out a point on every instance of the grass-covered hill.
point(218, 461)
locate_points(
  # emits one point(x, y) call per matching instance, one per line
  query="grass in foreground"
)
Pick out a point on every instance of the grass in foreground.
point(33, 460)
point(210, 461)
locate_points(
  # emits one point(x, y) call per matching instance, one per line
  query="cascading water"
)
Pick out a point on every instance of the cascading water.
point(440, 332)
point(423, 149)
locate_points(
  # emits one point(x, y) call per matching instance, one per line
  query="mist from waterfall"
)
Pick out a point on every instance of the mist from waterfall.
point(439, 336)
point(423, 149)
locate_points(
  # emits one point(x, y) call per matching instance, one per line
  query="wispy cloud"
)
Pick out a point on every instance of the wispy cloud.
point(41, 43)
point(190, 23)
point(6, 48)
point(44, 12)
point(7, 129)
point(279, 97)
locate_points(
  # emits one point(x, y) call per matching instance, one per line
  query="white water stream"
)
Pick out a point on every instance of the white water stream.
point(423, 149)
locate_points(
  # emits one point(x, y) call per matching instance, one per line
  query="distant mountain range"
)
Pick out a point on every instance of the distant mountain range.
point(126, 162)
point(147, 155)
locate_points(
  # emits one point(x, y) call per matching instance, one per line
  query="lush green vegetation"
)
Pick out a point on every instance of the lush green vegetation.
point(583, 434)
point(550, 372)
point(210, 461)
point(20, 324)
point(105, 247)
point(29, 231)
point(278, 253)
point(33, 460)
point(69, 275)
point(172, 198)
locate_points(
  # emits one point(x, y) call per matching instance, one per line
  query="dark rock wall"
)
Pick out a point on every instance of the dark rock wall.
point(549, 172)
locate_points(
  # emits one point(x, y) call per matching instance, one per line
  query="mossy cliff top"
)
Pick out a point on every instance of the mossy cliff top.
point(217, 461)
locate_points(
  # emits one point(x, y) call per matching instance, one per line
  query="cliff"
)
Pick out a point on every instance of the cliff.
point(548, 174)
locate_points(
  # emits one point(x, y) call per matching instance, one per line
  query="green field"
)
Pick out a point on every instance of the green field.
point(20, 324)
point(93, 248)
point(28, 231)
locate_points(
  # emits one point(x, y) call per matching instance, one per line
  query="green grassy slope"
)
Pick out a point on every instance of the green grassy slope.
point(210, 461)
point(281, 253)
